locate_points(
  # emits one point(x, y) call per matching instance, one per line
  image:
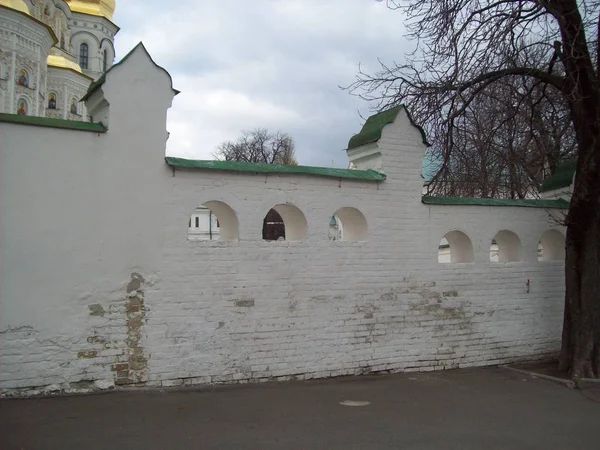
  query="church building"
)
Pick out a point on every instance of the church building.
point(51, 51)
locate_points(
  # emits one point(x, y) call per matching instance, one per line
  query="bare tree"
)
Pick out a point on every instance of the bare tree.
point(464, 48)
point(259, 145)
point(507, 141)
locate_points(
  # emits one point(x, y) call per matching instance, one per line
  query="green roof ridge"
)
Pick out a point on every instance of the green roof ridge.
point(371, 130)
point(238, 166)
point(52, 123)
point(100, 81)
point(562, 177)
point(530, 203)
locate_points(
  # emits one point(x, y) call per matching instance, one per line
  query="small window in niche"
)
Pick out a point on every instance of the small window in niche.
point(73, 108)
point(104, 60)
point(455, 247)
point(551, 246)
point(347, 224)
point(211, 221)
point(284, 222)
point(505, 247)
point(52, 101)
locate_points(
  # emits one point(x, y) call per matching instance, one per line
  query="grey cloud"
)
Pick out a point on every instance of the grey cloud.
point(286, 57)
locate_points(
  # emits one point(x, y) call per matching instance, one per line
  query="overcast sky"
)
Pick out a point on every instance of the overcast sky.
point(242, 64)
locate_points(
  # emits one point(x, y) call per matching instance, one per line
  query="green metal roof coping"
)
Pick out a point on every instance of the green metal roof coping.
point(530, 203)
point(52, 123)
point(236, 166)
point(562, 177)
point(371, 130)
point(100, 81)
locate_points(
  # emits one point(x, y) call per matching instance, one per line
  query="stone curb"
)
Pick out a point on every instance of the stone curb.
point(587, 383)
point(568, 383)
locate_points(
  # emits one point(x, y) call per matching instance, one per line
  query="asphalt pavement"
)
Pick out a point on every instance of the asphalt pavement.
point(488, 409)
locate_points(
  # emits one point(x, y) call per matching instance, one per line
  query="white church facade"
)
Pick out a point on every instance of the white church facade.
point(50, 53)
point(101, 284)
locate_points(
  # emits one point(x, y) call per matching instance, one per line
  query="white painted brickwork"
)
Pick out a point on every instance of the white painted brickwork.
point(99, 283)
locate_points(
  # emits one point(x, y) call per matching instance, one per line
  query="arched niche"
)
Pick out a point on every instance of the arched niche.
point(213, 220)
point(551, 246)
point(107, 54)
point(284, 222)
point(350, 223)
point(506, 246)
point(455, 247)
point(23, 106)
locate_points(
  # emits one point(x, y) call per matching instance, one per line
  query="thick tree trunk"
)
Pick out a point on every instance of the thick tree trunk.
point(580, 353)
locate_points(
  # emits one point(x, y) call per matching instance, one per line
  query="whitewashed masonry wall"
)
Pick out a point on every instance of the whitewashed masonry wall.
point(100, 285)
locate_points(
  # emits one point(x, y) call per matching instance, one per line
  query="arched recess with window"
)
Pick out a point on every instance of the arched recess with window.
point(92, 42)
point(350, 223)
point(455, 247)
point(506, 246)
point(107, 53)
point(551, 246)
point(213, 220)
point(284, 222)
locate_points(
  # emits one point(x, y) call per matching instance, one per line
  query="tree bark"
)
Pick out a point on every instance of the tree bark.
point(580, 353)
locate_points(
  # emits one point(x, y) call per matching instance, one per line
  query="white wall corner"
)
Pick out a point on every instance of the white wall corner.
point(98, 108)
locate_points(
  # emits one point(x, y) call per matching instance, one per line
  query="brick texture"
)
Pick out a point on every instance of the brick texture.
point(145, 306)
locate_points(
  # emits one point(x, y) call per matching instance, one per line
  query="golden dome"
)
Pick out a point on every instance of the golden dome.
point(103, 8)
point(19, 5)
point(63, 63)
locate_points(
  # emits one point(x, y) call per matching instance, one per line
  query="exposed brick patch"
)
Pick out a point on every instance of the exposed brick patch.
point(244, 303)
point(134, 370)
point(96, 310)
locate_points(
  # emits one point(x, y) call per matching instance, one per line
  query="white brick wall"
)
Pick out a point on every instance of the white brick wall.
point(109, 288)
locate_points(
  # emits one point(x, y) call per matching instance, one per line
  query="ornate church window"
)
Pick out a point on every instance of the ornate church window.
point(23, 78)
point(52, 101)
point(83, 55)
point(73, 106)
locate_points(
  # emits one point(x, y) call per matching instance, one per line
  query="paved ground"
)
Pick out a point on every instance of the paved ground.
point(467, 409)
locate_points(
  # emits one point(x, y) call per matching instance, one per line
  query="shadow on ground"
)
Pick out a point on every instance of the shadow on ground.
point(464, 409)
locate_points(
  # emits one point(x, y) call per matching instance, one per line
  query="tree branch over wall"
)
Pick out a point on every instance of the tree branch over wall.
point(507, 89)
